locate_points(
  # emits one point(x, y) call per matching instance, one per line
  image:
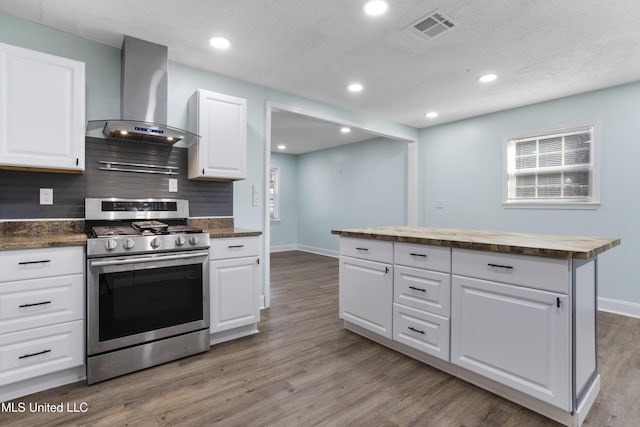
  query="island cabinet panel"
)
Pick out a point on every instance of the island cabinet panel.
point(434, 258)
point(514, 335)
point(550, 274)
point(366, 294)
point(421, 330)
point(422, 289)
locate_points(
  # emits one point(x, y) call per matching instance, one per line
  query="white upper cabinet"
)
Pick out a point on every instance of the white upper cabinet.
point(42, 111)
point(221, 122)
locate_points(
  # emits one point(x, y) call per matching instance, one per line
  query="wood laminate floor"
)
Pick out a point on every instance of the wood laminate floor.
point(304, 369)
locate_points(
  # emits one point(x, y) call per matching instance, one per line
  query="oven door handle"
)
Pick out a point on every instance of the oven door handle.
point(139, 260)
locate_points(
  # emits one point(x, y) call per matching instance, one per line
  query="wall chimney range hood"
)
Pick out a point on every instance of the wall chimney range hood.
point(143, 96)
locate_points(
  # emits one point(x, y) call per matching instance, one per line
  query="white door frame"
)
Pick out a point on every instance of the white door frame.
point(412, 175)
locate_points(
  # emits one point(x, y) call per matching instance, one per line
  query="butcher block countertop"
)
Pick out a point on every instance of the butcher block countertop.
point(57, 233)
point(547, 245)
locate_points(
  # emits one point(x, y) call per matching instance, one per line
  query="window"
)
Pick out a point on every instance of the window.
point(274, 195)
point(555, 169)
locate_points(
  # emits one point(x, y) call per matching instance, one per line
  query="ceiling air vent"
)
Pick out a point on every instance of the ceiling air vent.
point(432, 25)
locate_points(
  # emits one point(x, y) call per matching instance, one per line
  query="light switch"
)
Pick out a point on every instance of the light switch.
point(173, 185)
point(439, 204)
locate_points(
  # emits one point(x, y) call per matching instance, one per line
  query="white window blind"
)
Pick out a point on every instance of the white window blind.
point(555, 167)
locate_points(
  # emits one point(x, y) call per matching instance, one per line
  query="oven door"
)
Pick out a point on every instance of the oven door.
point(142, 298)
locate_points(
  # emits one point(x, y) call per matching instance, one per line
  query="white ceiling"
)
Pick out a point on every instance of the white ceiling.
point(302, 134)
point(541, 50)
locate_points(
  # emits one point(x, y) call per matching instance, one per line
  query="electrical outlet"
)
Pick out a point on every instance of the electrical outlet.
point(173, 185)
point(46, 196)
point(439, 204)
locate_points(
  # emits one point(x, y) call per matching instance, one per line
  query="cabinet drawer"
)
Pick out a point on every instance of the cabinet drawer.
point(422, 289)
point(235, 247)
point(550, 274)
point(423, 331)
point(40, 351)
point(369, 249)
point(422, 256)
point(36, 263)
point(39, 302)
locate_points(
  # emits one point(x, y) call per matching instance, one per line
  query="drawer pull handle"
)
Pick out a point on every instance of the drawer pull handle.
point(411, 328)
point(417, 289)
point(34, 354)
point(420, 255)
point(44, 261)
point(34, 304)
point(362, 249)
point(235, 246)
point(506, 267)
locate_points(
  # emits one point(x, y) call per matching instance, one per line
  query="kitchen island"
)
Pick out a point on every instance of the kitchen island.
point(513, 313)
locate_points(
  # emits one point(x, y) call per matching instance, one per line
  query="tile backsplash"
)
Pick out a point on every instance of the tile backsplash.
point(20, 190)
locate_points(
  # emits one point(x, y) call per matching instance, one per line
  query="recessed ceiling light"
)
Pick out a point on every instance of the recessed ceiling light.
point(281, 147)
point(345, 129)
point(355, 87)
point(431, 115)
point(220, 42)
point(487, 78)
point(375, 7)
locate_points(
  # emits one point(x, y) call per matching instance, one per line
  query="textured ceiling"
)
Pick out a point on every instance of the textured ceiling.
point(540, 49)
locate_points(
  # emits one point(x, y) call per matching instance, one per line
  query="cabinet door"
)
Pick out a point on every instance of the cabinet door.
point(222, 126)
point(514, 335)
point(235, 293)
point(41, 110)
point(366, 294)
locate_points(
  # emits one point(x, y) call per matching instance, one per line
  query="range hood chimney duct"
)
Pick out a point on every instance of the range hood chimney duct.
point(143, 96)
point(143, 92)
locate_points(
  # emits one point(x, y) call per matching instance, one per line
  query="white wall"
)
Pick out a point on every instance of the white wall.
point(461, 163)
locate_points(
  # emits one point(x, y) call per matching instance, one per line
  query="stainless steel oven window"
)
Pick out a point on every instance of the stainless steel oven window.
point(132, 300)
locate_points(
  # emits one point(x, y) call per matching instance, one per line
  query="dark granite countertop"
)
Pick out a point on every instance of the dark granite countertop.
point(548, 245)
point(57, 233)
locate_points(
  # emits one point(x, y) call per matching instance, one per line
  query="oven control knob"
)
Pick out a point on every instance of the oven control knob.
point(194, 240)
point(180, 241)
point(155, 242)
point(128, 244)
point(110, 244)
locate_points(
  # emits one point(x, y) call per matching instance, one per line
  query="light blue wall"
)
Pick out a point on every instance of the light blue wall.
point(285, 232)
point(357, 185)
point(461, 163)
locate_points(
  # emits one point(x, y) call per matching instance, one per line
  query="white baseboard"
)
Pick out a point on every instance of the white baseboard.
point(283, 248)
point(310, 249)
point(625, 308)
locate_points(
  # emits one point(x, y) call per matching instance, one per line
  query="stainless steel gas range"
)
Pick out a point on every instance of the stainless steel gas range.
point(147, 285)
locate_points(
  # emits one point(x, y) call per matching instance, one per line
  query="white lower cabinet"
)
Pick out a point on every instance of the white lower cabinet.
point(366, 292)
point(235, 295)
point(42, 338)
point(235, 287)
point(40, 351)
point(514, 335)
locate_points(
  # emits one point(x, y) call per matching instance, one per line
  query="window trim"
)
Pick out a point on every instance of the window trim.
point(275, 172)
point(592, 203)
